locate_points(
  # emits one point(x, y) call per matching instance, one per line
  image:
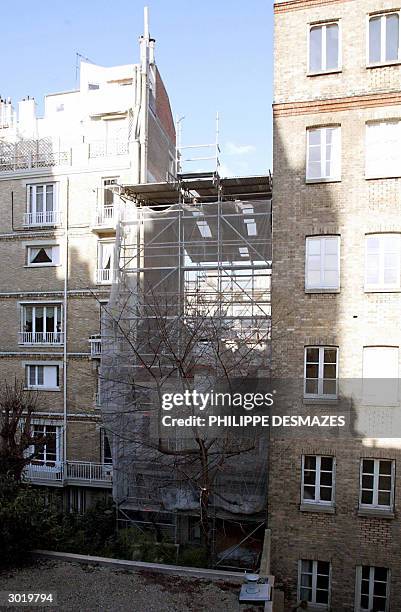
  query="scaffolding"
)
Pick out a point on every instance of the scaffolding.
point(190, 255)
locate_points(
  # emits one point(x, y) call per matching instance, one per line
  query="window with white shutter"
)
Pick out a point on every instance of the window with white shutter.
point(382, 262)
point(322, 263)
point(43, 377)
point(324, 47)
point(380, 375)
point(324, 154)
point(383, 149)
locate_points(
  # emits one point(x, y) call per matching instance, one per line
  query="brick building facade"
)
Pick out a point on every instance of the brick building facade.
point(336, 294)
point(60, 179)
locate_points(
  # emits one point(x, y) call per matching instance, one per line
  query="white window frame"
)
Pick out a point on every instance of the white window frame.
point(57, 334)
point(324, 69)
point(100, 276)
point(383, 61)
point(358, 588)
point(320, 394)
point(322, 285)
point(375, 505)
point(31, 207)
point(336, 151)
point(29, 364)
point(318, 472)
point(43, 245)
point(313, 603)
point(381, 285)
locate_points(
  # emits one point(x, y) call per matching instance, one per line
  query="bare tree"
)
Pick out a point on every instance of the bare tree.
point(153, 345)
point(18, 407)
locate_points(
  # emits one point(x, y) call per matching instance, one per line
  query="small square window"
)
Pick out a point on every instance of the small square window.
point(43, 255)
point(44, 376)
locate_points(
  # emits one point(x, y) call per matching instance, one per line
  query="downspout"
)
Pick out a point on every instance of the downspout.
point(65, 328)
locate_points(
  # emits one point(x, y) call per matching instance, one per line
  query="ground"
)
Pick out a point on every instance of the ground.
point(86, 588)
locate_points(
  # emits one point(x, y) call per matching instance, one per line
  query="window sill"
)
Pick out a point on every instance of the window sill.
point(382, 290)
point(321, 290)
point(383, 178)
point(320, 400)
point(321, 508)
point(49, 265)
point(376, 513)
point(383, 64)
point(42, 389)
point(317, 181)
point(324, 72)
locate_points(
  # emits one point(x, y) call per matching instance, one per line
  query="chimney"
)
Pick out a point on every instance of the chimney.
point(27, 118)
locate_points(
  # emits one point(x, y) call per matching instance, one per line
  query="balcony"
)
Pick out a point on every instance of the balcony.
point(45, 474)
point(45, 218)
point(108, 148)
point(41, 338)
point(105, 218)
point(32, 154)
point(104, 276)
point(72, 472)
point(96, 346)
point(95, 474)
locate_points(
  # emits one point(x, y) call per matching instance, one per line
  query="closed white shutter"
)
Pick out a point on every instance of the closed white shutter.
point(50, 377)
point(383, 149)
point(380, 362)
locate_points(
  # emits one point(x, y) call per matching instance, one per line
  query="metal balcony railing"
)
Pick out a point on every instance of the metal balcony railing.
point(41, 471)
point(105, 216)
point(41, 338)
point(96, 347)
point(104, 276)
point(47, 217)
point(108, 148)
point(73, 471)
point(92, 472)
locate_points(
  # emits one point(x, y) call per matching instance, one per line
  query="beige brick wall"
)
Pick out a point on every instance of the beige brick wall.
point(350, 319)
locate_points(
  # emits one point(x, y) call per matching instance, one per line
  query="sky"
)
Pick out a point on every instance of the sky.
point(213, 55)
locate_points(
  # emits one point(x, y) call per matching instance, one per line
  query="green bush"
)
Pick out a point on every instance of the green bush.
point(136, 545)
point(193, 557)
point(23, 522)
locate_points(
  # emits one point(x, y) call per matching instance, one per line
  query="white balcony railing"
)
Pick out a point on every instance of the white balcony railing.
point(104, 276)
point(108, 148)
point(92, 472)
point(41, 338)
point(105, 216)
point(41, 471)
point(47, 217)
point(73, 471)
point(96, 347)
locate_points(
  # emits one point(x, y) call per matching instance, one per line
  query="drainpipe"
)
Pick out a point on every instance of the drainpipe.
point(65, 328)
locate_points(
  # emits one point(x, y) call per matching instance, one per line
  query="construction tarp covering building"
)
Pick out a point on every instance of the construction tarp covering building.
point(189, 309)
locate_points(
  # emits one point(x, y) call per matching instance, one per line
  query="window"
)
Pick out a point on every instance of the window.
point(383, 149)
point(384, 38)
point(372, 589)
point(108, 195)
point(324, 154)
point(42, 205)
point(77, 500)
point(317, 479)
point(47, 446)
point(106, 456)
point(383, 254)
point(377, 484)
point(314, 582)
point(324, 47)
point(105, 263)
point(321, 371)
point(41, 324)
point(43, 255)
point(322, 262)
point(42, 376)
